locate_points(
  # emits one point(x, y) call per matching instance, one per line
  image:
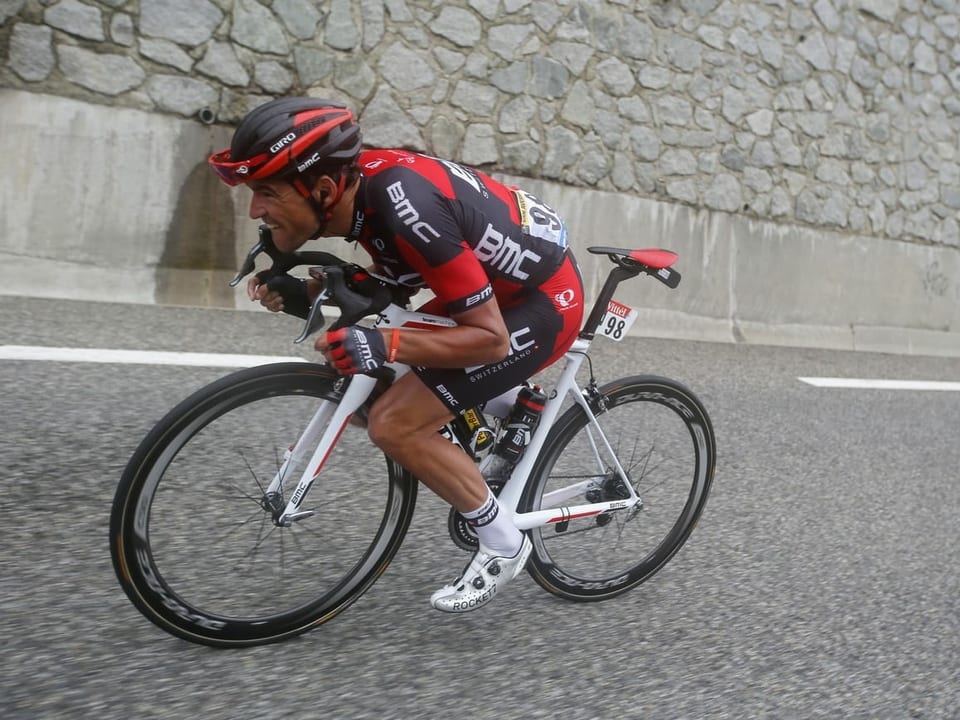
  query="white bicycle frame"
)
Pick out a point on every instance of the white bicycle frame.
point(331, 418)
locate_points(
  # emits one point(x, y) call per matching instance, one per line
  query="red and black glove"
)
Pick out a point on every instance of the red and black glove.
point(356, 349)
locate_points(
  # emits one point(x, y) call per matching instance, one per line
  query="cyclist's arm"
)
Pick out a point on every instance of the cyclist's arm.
point(479, 338)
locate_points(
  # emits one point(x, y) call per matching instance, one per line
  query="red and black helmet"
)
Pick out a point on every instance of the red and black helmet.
point(287, 137)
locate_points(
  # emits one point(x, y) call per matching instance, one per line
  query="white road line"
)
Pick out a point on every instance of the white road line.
point(137, 357)
point(862, 383)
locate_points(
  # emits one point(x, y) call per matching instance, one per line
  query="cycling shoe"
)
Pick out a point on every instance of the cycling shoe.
point(481, 580)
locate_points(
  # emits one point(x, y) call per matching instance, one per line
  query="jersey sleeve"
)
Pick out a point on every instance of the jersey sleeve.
point(428, 237)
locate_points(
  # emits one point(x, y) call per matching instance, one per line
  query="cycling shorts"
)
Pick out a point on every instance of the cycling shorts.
point(543, 322)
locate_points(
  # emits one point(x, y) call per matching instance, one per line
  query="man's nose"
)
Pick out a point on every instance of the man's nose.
point(256, 208)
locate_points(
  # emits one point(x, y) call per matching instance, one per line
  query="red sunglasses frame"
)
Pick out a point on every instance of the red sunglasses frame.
point(237, 173)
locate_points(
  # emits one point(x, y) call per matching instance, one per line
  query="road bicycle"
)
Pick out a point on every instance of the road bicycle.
point(258, 509)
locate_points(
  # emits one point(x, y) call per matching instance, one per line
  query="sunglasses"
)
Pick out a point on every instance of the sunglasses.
point(235, 173)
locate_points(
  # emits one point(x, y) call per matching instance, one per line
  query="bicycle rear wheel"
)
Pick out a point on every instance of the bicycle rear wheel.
point(192, 535)
point(664, 442)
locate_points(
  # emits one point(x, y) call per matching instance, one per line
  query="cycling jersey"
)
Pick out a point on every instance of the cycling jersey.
point(434, 223)
point(468, 238)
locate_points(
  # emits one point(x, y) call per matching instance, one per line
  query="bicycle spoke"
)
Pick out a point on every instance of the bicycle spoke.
point(253, 474)
point(648, 437)
point(243, 495)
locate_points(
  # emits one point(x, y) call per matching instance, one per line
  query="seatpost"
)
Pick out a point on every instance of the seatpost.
point(616, 276)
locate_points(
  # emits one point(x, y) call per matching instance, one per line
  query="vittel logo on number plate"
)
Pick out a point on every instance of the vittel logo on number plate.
point(617, 320)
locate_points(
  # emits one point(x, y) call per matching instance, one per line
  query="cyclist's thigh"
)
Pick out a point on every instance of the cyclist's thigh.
point(538, 336)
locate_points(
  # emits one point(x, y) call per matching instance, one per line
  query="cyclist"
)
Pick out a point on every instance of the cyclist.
point(495, 257)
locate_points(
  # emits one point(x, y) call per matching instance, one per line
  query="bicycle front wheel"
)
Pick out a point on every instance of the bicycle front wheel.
point(192, 535)
point(660, 435)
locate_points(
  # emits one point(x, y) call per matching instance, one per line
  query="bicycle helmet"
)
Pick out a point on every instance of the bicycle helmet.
point(286, 137)
point(295, 139)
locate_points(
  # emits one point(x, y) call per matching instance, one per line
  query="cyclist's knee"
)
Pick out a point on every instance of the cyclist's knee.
point(377, 428)
point(397, 423)
point(385, 426)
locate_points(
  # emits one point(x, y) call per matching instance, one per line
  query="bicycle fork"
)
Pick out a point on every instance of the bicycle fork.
point(320, 435)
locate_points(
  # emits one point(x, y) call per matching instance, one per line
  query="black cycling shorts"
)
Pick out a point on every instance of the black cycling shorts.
point(543, 322)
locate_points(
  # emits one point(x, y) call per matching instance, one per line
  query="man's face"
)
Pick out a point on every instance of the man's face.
point(278, 204)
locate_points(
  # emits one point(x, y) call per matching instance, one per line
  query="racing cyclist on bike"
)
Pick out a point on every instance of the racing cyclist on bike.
point(495, 257)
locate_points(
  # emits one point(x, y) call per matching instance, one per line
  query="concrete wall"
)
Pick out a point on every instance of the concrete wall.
point(803, 156)
point(115, 204)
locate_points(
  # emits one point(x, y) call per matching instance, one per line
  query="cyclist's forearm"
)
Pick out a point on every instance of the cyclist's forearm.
point(455, 347)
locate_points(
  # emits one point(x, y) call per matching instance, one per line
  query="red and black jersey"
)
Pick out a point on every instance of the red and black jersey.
point(434, 223)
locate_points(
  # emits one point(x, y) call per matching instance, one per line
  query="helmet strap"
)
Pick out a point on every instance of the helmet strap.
point(323, 214)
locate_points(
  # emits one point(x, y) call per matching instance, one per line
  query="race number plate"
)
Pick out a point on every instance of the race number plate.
point(617, 320)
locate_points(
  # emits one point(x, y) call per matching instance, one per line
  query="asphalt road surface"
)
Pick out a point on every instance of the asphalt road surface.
point(821, 581)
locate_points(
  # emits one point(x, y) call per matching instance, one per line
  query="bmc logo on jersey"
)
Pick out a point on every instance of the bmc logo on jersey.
point(479, 297)
point(408, 215)
point(504, 253)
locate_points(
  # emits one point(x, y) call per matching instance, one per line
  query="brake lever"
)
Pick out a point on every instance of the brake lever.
point(353, 305)
point(263, 245)
point(315, 319)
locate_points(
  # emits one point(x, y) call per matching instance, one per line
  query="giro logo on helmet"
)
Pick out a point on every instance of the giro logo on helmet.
point(282, 142)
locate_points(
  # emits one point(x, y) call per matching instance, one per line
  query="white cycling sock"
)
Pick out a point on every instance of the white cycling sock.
point(494, 528)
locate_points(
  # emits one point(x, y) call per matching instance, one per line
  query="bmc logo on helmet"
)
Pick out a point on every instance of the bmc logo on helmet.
point(282, 142)
point(312, 160)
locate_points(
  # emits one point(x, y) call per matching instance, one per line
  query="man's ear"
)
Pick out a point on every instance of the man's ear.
point(323, 188)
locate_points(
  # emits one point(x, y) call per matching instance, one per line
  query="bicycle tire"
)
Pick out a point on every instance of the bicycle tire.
point(195, 548)
point(665, 443)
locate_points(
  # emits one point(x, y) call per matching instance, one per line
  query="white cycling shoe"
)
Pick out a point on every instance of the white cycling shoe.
point(481, 580)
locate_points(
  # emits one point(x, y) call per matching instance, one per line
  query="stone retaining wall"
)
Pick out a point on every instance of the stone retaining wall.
point(836, 114)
